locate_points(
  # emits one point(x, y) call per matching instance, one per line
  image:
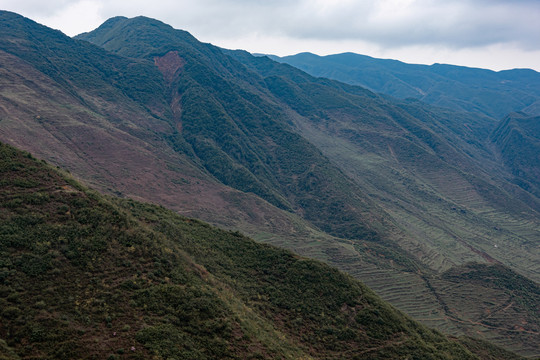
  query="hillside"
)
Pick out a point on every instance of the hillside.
point(88, 276)
point(415, 161)
point(517, 140)
point(491, 93)
point(240, 136)
point(236, 131)
point(441, 197)
point(394, 193)
point(80, 107)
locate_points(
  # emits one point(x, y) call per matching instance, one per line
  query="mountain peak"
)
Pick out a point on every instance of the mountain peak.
point(140, 37)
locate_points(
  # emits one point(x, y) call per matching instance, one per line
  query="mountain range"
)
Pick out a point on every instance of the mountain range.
point(503, 95)
point(495, 94)
point(432, 207)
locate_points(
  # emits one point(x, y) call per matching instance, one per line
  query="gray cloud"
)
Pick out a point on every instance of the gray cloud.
point(398, 23)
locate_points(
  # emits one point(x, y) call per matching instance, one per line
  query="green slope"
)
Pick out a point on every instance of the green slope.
point(488, 92)
point(92, 277)
point(437, 179)
point(427, 167)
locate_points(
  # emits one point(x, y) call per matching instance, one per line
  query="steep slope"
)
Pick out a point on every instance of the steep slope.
point(269, 130)
point(107, 120)
point(427, 168)
point(114, 142)
point(236, 131)
point(84, 276)
point(517, 140)
point(231, 119)
point(491, 93)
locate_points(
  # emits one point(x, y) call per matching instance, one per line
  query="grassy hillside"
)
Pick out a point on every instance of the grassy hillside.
point(84, 276)
point(435, 176)
point(491, 93)
point(230, 118)
point(429, 169)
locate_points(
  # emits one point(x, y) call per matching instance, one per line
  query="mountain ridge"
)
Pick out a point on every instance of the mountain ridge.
point(456, 87)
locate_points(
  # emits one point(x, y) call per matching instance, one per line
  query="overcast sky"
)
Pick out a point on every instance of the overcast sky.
point(494, 34)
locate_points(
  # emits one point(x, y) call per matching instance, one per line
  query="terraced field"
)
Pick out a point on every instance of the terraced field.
point(454, 307)
point(444, 217)
point(486, 310)
point(448, 217)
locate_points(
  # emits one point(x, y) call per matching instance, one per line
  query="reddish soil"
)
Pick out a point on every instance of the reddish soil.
point(169, 64)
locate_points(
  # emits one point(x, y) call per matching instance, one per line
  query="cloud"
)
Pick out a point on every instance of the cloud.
point(461, 23)
point(69, 19)
point(391, 23)
point(69, 16)
point(34, 7)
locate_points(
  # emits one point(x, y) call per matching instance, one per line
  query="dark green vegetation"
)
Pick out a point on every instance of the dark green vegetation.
point(88, 276)
point(394, 192)
point(495, 94)
point(488, 92)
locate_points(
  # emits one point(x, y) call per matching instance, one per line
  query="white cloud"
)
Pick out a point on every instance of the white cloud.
point(69, 19)
point(33, 8)
point(392, 23)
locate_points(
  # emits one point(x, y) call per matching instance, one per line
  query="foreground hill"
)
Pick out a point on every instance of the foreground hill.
point(491, 93)
point(394, 193)
point(86, 276)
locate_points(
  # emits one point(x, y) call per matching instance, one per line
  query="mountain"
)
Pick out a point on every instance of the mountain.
point(239, 134)
point(396, 193)
point(100, 117)
point(491, 93)
point(88, 276)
